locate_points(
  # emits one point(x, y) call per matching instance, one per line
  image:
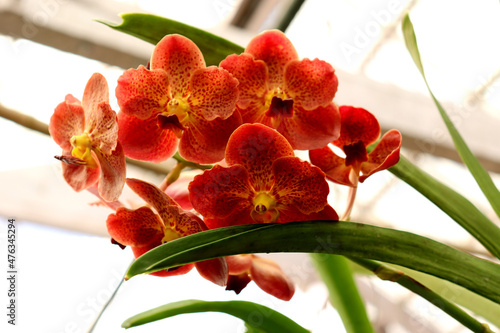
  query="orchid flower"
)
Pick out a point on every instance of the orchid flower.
point(87, 132)
point(359, 129)
point(178, 103)
point(263, 183)
point(144, 229)
point(290, 95)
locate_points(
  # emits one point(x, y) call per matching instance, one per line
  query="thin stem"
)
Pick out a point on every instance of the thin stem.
point(384, 272)
point(105, 306)
point(172, 176)
point(350, 204)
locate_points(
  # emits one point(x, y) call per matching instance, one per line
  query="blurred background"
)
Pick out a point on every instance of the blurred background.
point(67, 268)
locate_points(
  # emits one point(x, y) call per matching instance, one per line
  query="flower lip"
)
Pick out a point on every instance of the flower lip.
point(280, 107)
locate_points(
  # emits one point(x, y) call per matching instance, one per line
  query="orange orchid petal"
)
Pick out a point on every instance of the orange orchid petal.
point(113, 169)
point(214, 270)
point(239, 263)
point(67, 121)
point(276, 50)
point(141, 92)
point(79, 177)
point(96, 91)
point(205, 141)
point(102, 127)
point(155, 197)
point(179, 57)
point(311, 129)
point(384, 156)
point(219, 192)
point(252, 76)
point(144, 140)
point(332, 165)
point(238, 217)
point(178, 191)
point(292, 214)
point(310, 83)
point(137, 228)
point(214, 93)
point(256, 147)
point(357, 124)
point(300, 185)
point(269, 277)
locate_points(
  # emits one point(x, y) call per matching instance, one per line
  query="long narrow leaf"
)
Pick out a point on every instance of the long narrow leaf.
point(152, 29)
point(269, 321)
point(389, 274)
point(452, 203)
point(337, 275)
point(482, 177)
point(345, 238)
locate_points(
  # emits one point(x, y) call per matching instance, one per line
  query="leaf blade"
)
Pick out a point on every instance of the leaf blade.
point(345, 238)
point(272, 321)
point(152, 28)
point(481, 176)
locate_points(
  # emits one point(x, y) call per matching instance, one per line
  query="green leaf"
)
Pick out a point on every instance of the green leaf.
point(482, 177)
point(337, 275)
point(452, 203)
point(258, 317)
point(345, 238)
point(152, 29)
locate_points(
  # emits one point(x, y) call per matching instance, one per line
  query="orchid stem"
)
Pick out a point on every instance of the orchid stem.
point(172, 176)
point(108, 302)
point(350, 204)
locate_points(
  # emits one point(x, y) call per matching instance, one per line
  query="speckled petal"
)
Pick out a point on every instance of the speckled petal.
point(256, 147)
point(142, 93)
point(113, 169)
point(384, 156)
point(269, 277)
point(219, 192)
point(332, 165)
point(299, 184)
point(357, 124)
point(252, 76)
point(67, 121)
point(96, 92)
point(205, 141)
point(155, 197)
point(311, 129)
point(144, 140)
point(102, 127)
point(179, 57)
point(214, 93)
point(137, 228)
point(79, 177)
point(310, 83)
point(276, 50)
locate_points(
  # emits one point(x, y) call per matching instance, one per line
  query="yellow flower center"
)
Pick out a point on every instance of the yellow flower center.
point(264, 208)
point(82, 147)
point(175, 117)
point(170, 235)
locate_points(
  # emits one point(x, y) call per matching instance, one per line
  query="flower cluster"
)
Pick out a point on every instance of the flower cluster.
point(247, 116)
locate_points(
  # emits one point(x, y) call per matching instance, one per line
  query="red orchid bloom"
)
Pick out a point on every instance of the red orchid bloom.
point(142, 229)
point(178, 103)
point(290, 95)
point(266, 273)
point(264, 182)
point(359, 129)
point(87, 131)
